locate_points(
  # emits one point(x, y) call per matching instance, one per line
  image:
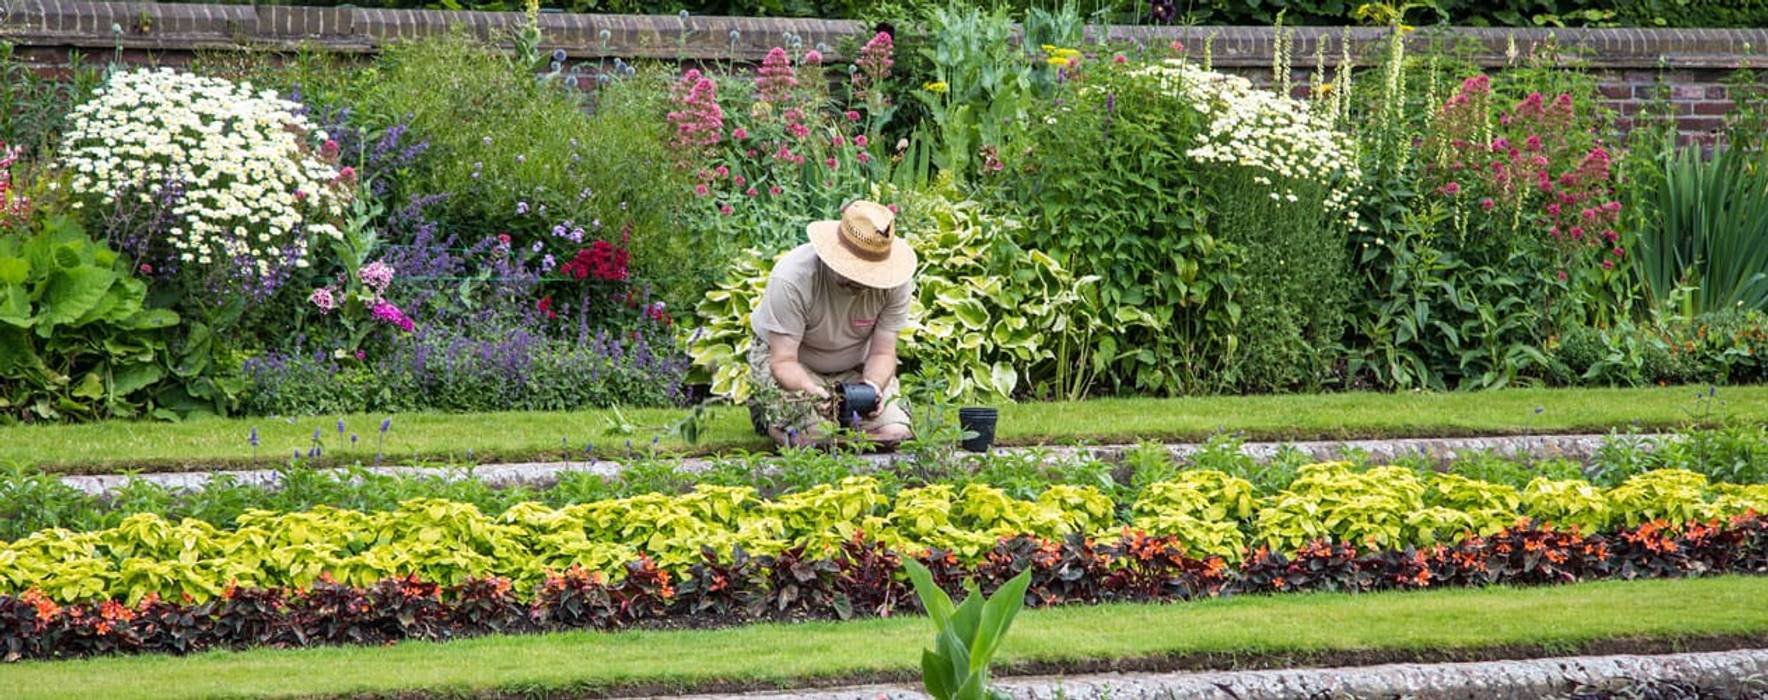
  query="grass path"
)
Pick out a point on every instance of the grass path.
point(221, 443)
point(1432, 622)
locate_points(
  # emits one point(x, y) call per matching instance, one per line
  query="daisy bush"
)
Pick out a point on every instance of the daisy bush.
point(257, 186)
point(1259, 129)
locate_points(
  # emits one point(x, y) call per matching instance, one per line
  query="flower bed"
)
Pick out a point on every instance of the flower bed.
point(859, 578)
point(720, 555)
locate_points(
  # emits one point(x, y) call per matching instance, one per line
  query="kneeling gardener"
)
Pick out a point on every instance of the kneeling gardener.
point(830, 315)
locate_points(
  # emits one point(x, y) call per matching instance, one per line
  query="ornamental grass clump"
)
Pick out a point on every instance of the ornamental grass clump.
point(259, 184)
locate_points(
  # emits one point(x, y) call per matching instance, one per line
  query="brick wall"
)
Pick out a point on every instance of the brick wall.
point(1630, 62)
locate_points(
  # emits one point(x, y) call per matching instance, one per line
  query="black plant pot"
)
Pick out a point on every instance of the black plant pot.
point(980, 421)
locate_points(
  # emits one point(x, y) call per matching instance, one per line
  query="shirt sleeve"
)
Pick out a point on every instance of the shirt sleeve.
point(782, 309)
point(896, 308)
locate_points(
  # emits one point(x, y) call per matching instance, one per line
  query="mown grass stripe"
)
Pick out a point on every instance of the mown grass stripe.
point(110, 446)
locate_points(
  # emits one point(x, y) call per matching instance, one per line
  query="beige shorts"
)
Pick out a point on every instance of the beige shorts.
point(772, 408)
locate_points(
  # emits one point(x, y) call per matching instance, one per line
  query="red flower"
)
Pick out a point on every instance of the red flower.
point(545, 305)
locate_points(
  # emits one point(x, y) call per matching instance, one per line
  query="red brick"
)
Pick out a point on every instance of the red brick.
point(1615, 91)
point(1689, 91)
point(1713, 108)
point(1700, 123)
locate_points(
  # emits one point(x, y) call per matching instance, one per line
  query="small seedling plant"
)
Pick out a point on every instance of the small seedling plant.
point(966, 635)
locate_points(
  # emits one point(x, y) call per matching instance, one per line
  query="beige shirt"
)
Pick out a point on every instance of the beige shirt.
point(834, 324)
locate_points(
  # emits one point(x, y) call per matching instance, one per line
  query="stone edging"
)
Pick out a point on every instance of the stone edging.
point(1489, 680)
point(1438, 450)
point(189, 27)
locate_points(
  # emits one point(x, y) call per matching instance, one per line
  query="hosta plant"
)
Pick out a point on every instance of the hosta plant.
point(991, 319)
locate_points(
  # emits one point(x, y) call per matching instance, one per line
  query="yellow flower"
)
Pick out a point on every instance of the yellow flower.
point(1323, 89)
point(936, 87)
point(1057, 61)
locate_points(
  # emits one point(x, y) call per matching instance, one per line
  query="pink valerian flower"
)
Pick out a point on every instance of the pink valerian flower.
point(861, 141)
point(774, 190)
point(739, 133)
point(376, 276)
point(385, 312)
point(701, 190)
point(863, 157)
point(1120, 59)
point(751, 193)
point(813, 57)
point(324, 299)
point(1486, 203)
point(851, 115)
point(12, 204)
point(776, 78)
point(698, 120)
point(1451, 189)
point(725, 209)
point(874, 61)
point(721, 171)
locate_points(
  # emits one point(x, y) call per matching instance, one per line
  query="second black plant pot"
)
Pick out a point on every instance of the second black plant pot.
point(980, 421)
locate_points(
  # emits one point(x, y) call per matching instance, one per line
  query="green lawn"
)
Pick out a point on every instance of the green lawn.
point(216, 443)
point(1548, 619)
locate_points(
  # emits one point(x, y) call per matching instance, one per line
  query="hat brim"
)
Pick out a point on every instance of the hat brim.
point(893, 271)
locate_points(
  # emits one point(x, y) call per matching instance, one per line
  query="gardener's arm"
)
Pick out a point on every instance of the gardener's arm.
point(880, 363)
point(788, 372)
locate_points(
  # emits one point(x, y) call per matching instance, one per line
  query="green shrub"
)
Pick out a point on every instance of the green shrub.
point(1215, 207)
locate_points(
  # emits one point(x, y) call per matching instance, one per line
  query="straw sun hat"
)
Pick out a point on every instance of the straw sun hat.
point(862, 246)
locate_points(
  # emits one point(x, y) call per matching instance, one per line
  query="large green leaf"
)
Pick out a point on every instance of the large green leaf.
point(135, 378)
point(71, 292)
point(14, 270)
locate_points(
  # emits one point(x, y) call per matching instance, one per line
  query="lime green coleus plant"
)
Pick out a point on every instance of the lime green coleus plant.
point(76, 335)
point(989, 318)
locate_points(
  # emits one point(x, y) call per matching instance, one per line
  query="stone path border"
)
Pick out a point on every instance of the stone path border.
point(1438, 450)
point(1725, 671)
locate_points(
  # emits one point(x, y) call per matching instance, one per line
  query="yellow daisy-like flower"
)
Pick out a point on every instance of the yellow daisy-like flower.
point(1057, 61)
point(938, 87)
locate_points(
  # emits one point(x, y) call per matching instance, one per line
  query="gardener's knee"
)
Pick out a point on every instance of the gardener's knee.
point(890, 433)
